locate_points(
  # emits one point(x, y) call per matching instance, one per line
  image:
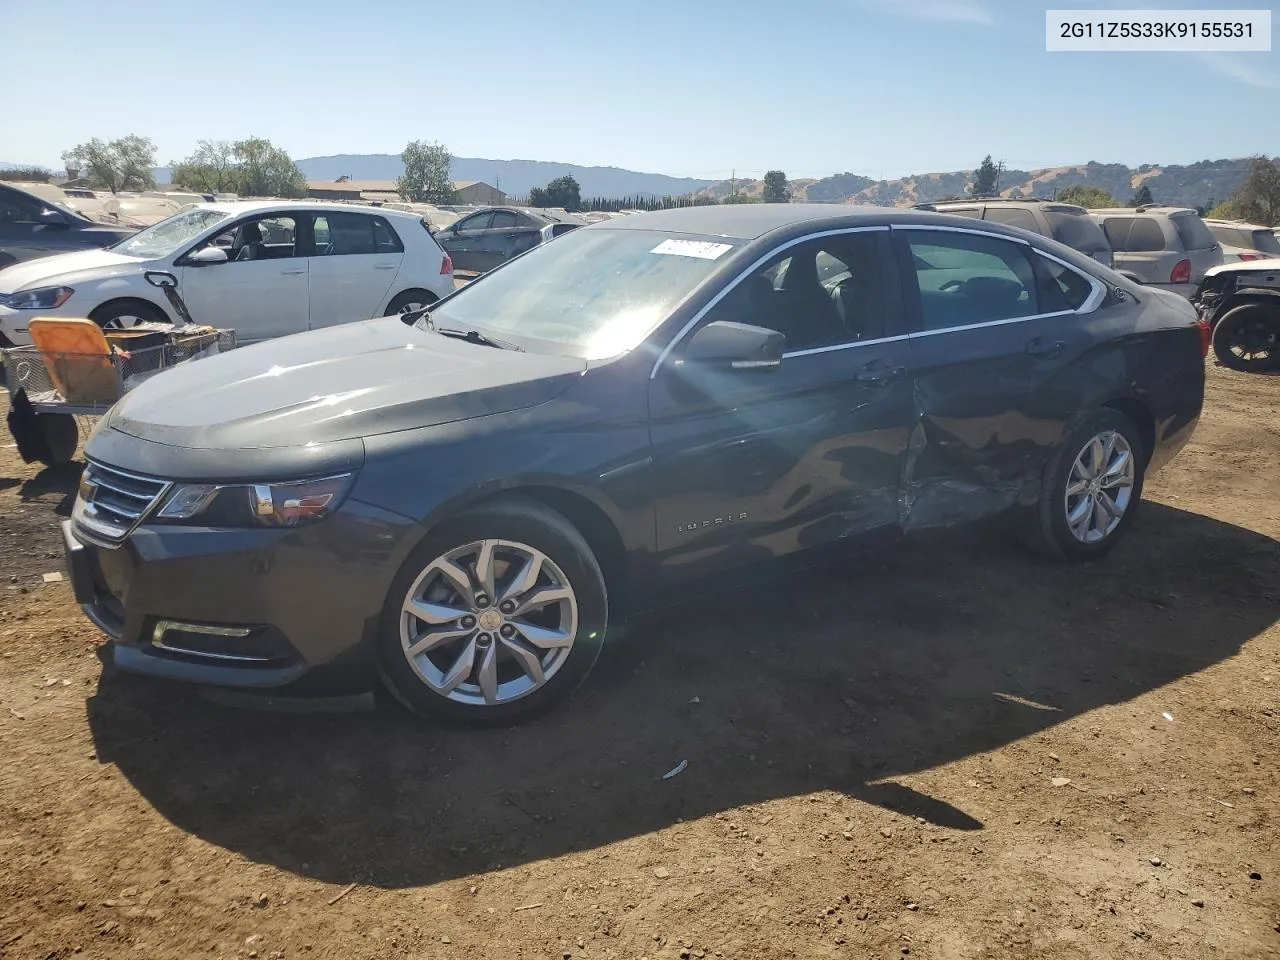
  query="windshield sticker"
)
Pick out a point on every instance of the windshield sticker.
point(701, 249)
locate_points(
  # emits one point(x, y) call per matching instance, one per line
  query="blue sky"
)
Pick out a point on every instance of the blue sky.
point(686, 87)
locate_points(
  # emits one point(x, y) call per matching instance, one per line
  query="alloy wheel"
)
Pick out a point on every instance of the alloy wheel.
point(1253, 342)
point(1099, 487)
point(411, 306)
point(488, 622)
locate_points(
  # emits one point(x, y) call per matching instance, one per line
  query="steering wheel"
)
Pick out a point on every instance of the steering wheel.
point(951, 285)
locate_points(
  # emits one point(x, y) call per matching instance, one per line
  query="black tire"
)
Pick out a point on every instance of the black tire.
point(61, 436)
point(523, 522)
point(120, 314)
point(1048, 530)
point(1254, 330)
point(404, 300)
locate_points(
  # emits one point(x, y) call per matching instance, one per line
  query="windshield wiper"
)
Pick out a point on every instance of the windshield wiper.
point(476, 337)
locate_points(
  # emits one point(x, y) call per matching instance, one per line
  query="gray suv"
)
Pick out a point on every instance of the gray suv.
point(1064, 222)
point(1168, 247)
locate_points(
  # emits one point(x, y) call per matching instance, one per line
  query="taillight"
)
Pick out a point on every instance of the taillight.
point(446, 265)
point(1181, 272)
point(1250, 256)
point(1205, 336)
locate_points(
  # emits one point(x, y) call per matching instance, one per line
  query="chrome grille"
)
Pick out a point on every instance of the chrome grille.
point(111, 502)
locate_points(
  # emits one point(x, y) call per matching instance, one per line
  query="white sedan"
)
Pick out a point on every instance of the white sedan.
point(263, 268)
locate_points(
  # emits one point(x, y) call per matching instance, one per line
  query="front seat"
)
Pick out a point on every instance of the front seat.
point(810, 314)
point(251, 241)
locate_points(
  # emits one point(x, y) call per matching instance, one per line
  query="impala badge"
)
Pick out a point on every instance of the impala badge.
point(713, 522)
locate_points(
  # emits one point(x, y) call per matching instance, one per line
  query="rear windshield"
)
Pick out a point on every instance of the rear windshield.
point(1013, 217)
point(1266, 241)
point(1192, 232)
point(1078, 231)
point(1133, 234)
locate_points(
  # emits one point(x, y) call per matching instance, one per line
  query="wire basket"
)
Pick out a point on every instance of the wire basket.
point(92, 382)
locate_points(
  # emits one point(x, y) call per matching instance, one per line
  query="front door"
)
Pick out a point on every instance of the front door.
point(261, 291)
point(755, 464)
point(465, 246)
point(355, 259)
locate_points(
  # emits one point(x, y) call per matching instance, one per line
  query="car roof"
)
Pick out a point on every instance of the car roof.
point(1234, 224)
point(1051, 206)
point(1140, 211)
point(748, 221)
point(238, 207)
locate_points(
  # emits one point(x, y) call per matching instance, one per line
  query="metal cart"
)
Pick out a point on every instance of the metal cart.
point(49, 390)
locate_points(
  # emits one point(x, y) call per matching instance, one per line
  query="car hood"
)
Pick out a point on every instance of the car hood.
point(65, 269)
point(1262, 265)
point(340, 383)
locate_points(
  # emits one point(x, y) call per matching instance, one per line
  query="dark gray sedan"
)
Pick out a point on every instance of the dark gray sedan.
point(464, 503)
point(31, 226)
point(481, 241)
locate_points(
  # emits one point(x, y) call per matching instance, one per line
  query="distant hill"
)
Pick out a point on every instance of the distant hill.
point(515, 177)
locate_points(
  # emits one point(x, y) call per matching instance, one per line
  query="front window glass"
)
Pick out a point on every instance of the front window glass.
point(595, 293)
point(168, 235)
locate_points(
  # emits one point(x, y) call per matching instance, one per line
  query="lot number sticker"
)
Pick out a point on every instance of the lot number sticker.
point(702, 249)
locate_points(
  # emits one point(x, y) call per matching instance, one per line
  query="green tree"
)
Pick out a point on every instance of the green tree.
point(123, 164)
point(26, 175)
point(984, 178)
point(1258, 198)
point(1086, 196)
point(1141, 197)
point(265, 170)
point(1224, 211)
point(775, 188)
point(426, 173)
point(740, 198)
point(560, 192)
point(212, 168)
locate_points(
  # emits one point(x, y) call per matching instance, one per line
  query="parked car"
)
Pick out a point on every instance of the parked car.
point(265, 268)
point(1241, 304)
point(32, 226)
point(1065, 222)
point(1244, 241)
point(644, 408)
point(492, 236)
point(1165, 247)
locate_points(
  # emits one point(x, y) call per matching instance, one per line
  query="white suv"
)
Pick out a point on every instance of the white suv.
point(263, 268)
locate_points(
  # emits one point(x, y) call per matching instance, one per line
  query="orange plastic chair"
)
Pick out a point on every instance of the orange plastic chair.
point(78, 358)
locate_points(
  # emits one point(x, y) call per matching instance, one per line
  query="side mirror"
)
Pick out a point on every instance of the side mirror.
point(159, 278)
point(207, 255)
point(736, 346)
point(50, 217)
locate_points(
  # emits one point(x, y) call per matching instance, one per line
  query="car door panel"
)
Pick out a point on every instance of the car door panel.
point(259, 299)
point(350, 277)
point(753, 465)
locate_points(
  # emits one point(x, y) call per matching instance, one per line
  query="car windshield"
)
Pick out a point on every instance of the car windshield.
point(168, 235)
point(596, 292)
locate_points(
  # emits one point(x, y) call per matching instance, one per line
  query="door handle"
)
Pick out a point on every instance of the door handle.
point(1047, 349)
point(881, 376)
point(292, 272)
point(384, 266)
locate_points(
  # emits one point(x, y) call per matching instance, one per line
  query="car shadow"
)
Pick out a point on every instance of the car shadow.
point(63, 478)
point(846, 678)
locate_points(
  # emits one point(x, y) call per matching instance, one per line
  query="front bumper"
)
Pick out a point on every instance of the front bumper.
point(260, 608)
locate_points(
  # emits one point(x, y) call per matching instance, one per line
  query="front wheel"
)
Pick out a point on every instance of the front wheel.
point(409, 301)
point(1247, 338)
point(1091, 488)
point(123, 314)
point(497, 615)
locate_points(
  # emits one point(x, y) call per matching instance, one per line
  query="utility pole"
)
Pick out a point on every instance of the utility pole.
point(733, 182)
point(999, 173)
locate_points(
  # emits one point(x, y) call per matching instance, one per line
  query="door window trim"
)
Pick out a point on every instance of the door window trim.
point(1092, 302)
point(752, 268)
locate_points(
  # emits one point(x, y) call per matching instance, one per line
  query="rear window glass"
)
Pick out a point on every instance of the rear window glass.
point(1133, 234)
point(1266, 241)
point(1013, 217)
point(1078, 231)
point(1192, 232)
point(975, 212)
point(1059, 288)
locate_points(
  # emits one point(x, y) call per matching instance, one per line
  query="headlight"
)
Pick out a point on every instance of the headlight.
point(47, 298)
point(290, 504)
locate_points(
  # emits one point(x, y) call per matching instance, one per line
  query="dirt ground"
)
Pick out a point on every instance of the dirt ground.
point(950, 751)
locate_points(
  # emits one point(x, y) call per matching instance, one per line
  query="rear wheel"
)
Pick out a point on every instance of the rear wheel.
point(1247, 338)
point(497, 615)
point(1091, 488)
point(122, 314)
point(410, 300)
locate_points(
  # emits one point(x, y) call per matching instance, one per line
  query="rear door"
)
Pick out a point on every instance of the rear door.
point(972, 303)
point(464, 246)
point(751, 465)
point(355, 258)
point(1200, 246)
